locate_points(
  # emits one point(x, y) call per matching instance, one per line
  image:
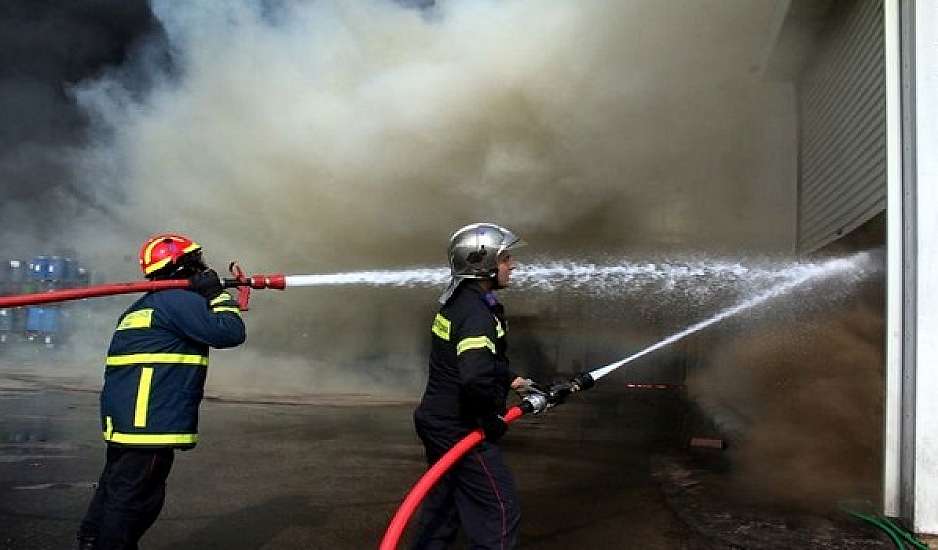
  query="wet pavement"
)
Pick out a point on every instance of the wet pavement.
point(330, 473)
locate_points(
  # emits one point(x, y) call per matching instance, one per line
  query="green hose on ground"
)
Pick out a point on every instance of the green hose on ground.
point(904, 533)
point(899, 536)
point(872, 521)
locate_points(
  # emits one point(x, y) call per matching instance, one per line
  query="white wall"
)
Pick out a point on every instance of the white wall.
point(925, 500)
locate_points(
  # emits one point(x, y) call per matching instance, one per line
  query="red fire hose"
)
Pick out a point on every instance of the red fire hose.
point(67, 294)
point(276, 281)
point(536, 403)
point(431, 477)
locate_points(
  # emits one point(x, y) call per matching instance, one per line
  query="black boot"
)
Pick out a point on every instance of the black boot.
point(86, 543)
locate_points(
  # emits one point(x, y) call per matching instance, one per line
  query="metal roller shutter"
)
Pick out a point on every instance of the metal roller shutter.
point(842, 121)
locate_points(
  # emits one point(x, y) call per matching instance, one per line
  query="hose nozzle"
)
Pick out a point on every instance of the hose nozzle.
point(559, 392)
point(276, 281)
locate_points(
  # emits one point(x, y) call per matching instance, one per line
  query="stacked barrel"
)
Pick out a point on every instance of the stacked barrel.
point(37, 325)
point(12, 321)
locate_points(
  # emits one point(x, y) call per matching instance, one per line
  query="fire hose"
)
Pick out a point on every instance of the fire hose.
point(534, 403)
point(240, 281)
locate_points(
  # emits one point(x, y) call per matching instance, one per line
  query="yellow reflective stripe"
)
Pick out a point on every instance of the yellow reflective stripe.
point(191, 247)
point(499, 331)
point(108, 427)
point(145, 358)
point(142, 318)
point(223, 297)
point(475, 342)
point(148, 252)
point(143, 397)
point(160, 264)
point(224, 309)
point(152, 439)
point(441, 326)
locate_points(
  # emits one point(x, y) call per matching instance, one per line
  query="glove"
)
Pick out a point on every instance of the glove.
point(494, 427)
point(206, 283)
point(527, 387)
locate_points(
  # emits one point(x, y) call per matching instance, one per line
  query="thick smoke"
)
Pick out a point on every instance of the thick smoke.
point(46, 48)
point(326, 135)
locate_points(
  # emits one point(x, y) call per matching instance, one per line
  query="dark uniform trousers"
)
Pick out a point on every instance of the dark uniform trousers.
point(478, 493)
point(128, 499)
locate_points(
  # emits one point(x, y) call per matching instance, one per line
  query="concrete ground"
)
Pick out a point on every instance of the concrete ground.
point(329, 474)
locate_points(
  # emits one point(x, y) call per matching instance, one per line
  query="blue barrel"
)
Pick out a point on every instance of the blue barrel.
point(38, 268)
point(50, 321)
point(19, 320)
point(55, 270)
point(6, 320)
point(42, 320)
point(83, 277)
point(16, 270)
point(70, 274)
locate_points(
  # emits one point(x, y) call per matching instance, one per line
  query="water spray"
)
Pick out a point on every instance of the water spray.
point(539, 402)
point(612, 278)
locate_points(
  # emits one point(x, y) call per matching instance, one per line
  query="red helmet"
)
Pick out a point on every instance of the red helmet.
point(165, 249)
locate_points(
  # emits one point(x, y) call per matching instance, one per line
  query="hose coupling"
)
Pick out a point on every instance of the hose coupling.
point(534, 403)
point(582, 381)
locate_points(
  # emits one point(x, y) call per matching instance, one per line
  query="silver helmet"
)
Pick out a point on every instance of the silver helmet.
point(473, 253)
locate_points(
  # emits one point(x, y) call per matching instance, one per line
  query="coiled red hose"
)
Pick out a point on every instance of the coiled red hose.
point(419, 491)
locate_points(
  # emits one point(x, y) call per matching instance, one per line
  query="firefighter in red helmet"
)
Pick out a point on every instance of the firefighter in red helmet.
point(153, 384)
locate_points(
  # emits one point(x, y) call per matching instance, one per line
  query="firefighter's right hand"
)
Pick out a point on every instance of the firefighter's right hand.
point(525, 387)
point(206, 283)
point(494, 427)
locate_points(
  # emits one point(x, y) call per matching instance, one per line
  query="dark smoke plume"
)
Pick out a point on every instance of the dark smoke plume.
point(46, 48)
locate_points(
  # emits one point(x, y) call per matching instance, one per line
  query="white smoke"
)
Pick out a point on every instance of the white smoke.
point(357, 133)
point(340, 135)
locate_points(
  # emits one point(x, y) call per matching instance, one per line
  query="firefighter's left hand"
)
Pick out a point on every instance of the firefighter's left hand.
point(494, 427)
point(525, 386)
point(206, 283)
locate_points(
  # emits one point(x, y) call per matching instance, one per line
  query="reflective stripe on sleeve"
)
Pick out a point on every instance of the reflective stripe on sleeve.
point(475, 342)
point(441, 326)
point(221, 298)
point(147, 358)
point(226, 309)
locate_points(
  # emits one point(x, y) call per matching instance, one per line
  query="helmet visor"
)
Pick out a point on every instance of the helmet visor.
point(510, 241)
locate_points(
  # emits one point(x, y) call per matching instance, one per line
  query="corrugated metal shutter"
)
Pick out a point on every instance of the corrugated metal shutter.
point(842, 116)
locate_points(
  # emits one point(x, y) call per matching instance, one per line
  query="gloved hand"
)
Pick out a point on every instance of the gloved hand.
point(494, 427)
point(206, 283)
point(525, 387)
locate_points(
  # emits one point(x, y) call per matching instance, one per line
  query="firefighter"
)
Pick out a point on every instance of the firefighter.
point(153, 384)
point(467, 388)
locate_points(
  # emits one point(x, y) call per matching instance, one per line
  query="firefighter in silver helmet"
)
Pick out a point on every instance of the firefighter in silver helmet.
point(467, 387)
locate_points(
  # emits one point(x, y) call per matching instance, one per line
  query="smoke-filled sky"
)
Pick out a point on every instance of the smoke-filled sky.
point(316, 136)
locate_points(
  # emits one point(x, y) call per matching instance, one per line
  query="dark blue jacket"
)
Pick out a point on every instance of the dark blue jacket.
point(157, 364)
point(469, 376)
